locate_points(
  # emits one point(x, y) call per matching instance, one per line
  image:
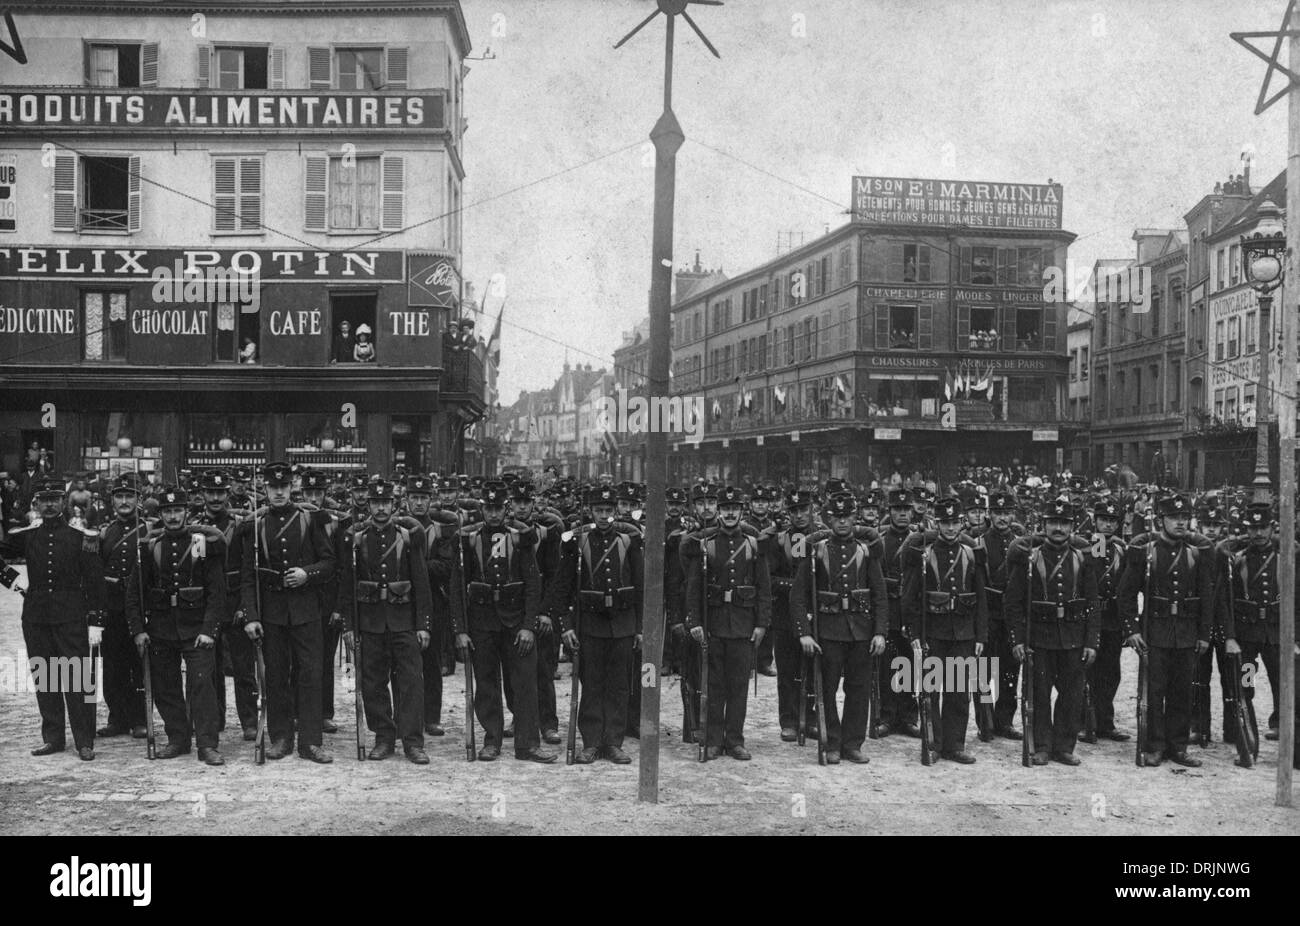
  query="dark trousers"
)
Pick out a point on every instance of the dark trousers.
point(188, 708)
point(767, 650)
point(493, 650)
point(793, 677)
point(393, 657)
point(954, 716)
point(299, 647)
point(603, 710)
point(431, 665)
point(548, 657)
point(329, 648)
point(898, 707)
point(237, 656)
point(730, 662)
point(852, 662)
point(123, 674)
point(688, 651)
point(1270, 653)
point(1004, 710)
point(1057, 730)
point(1169, 692)
point(1103, 676)
point(66, 640)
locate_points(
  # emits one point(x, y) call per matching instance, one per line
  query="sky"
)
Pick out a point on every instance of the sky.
point(1137, 107)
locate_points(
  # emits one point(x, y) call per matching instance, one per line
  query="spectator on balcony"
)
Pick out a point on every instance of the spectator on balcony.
point(364, 351)
point(341, 351)
point(248, 354)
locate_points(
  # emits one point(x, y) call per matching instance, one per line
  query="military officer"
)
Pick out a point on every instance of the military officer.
point(119, 546)
point(996, 539)
point(1175, 571)
point(385, 596)
point(1104, 674)
point(852, 621)
point(288, 560)
point(503, 591)
point(739, 611)
point(946, 611)
point(598, 607)
point(1052, 610)
point(63, 614)
point(897, 708)
point(174, 605)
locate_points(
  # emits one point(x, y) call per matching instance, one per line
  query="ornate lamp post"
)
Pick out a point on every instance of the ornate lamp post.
point(1262, 253)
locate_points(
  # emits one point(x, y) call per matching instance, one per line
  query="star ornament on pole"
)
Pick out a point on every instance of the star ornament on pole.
point(671, 8)
point(1273, 61)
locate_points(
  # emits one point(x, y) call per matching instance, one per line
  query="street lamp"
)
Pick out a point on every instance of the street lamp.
point(1262, 253)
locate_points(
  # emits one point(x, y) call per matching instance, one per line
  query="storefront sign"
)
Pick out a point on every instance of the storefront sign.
point(1050, 436)
point(79, 110)
point(888, 433)
point(1001, 364)
point(999, 296)
point(433, 281)
point(909, 293)
point(976, 204)
point(8, 192)
point(127, 263)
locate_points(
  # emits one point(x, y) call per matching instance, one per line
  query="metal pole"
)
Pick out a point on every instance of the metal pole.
point(667, 137)
point(1286, 410)
point(1262, 486)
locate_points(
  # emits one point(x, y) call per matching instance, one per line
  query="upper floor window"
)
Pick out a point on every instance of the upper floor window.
point(902, 327)
point(357, 68)
point(237, 194)
point(96, 194)
point(104, 331)
point(357, 193)
point(916, 263)
point(121, 64)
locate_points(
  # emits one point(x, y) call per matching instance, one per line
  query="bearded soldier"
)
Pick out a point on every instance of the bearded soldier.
point(944, 576)
point(182, 584)
point(120, 548)
point(1051, 608)
point(289, 559)
point(63, 614)
point(1104, 674)
point(995, 539)
point(852, 620)
point(1175, 571)
point(385, 584)
point(739, 611)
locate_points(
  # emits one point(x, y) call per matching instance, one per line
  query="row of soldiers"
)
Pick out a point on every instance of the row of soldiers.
point(408, 568)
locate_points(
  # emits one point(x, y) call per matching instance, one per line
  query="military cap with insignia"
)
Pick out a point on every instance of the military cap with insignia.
point(50, 486)
point(315, 479)
point(799, 498)
point(358, 481)
point(448, 484)
point(1258, 514)
point(378, 491)
point(241, 474)
point(1175, 505)
point(215, 480)
point(496, 495)
point(973, 501)
point(627, 492)
point(834, 486)
point(1213, 516)
point(701, 491)
point(1002, 503)
point(277, 474)
point(900, 498)
point(730, 495)
point(510, 478)
point(758, 495)
point(675, 496)
point(478, 482)
point(1058, 509)
point(126, 482)
point(948, 508)
point(419, 485)
point(520, 491)
point(172, 497)
point(1107, 508)
point(841, 505)
point(602, 495)
point(873, 499)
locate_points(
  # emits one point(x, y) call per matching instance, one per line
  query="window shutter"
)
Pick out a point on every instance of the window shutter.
point(149, 64)
point(844, 328)
point(925, 327)
point(1006, 266)
point(205, 65)
point(223, 195)
point(66, 198)
point(277, 68)
point(824, 332)
point(133, 194)
point(963, 326)
point(882, 327)
point(85, 63)
point(895, 264)
point(1049, 328)
point(965, 265)
point(250, 194)
point(395, 59)
point(1008, 327)
point(319, 69)
point(315, 195)
point(923, 264)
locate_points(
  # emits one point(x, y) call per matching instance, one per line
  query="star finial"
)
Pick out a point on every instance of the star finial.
point(672, 8)
point(1272, 60)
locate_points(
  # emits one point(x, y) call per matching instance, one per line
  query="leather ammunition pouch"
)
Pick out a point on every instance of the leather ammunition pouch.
point(894, 587)
point(185, 598)
point(390, 592)
point(1172, 607)
point(1073, 610)
point(857, 600)
point(271, 579)
point(742, 595)
point(509, 596)
point(1246, 611)
point(942, 602)
point(618, 599)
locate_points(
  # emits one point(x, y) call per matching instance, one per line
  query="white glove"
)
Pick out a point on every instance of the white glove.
point(96, 635)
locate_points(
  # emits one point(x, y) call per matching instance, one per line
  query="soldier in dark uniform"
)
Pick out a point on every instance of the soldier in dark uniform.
point(233, 649)
point(760, 520)
point(182, 584)
point(1104, 674)
point(385, 582)
point(785, 551)
point(995, 539)
point(739, 594)
point(869, 506)
point(503, 591)
point(1249, 600)
point(1175, 571)
point(684, 657)
point(119, 547)
point(441, 532)
point(548, 528)
point(601, 577)
point(314, 484)
point(943, 575)
point(1051, 608)
point(852, 621)
point(63, 615)
point(281, 605)
point(897, 708)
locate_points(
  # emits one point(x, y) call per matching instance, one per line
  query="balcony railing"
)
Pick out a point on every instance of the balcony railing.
point(985, 342)
point(103, 220)
point(463, 372)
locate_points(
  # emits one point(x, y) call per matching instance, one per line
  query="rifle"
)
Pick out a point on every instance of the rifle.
point(873, 706)
point(259, 744)
point(471, 749)
point(924, 704)
point(571, 748)
point(1089, 712)
point(150, 741)
point(357, 669)
point(704, 651)
point(1027, 674)
point(1245, 755)
point(1199, 732)
point(818, 706)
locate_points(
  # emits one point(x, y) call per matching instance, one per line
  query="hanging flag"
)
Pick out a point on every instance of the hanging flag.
point(494, 342)
point(778, 395)
point(841, 391)
point(947, 384)
point(717, 410)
